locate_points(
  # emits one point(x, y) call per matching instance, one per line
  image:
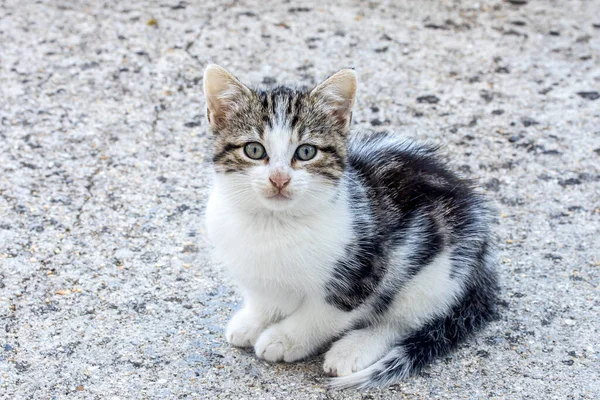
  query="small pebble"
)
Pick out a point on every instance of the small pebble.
point(592, 95)
point(429, 99)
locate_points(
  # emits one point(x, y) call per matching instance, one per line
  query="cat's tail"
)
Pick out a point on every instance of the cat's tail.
point(435, 339)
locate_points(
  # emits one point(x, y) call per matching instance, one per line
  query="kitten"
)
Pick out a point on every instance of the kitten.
point(365, 240)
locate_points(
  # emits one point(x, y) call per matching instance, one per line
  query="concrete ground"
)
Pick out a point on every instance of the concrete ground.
point(107, 289)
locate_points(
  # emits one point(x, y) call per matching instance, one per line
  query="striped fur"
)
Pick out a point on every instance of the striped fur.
point(377, 247)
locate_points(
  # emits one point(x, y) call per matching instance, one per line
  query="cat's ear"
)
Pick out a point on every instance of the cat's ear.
point(223, 93)
point(336, 95)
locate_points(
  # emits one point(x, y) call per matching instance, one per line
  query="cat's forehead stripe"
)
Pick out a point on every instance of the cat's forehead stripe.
point(280, 112)
point(281, 107)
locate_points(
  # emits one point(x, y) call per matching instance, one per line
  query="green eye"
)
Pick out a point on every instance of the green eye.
point(306, 152)
point(255, 151)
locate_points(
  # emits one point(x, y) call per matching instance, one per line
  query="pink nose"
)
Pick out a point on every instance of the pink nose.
point(279, 180)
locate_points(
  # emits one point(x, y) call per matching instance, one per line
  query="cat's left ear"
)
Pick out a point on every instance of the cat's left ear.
point(223, 92)
point(336, 95)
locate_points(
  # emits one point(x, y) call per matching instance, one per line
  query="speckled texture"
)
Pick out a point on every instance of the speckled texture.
point(107, 289)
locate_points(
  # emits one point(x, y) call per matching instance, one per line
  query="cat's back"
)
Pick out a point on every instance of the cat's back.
point(406, 179)
point(388, 156)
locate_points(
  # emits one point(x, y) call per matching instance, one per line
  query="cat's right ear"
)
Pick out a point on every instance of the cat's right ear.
point(223, 92)
point(336, 95)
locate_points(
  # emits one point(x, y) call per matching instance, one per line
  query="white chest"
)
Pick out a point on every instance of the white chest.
point(270, 253)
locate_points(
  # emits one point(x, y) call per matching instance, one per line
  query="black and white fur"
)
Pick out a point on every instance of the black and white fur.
point(376, 246)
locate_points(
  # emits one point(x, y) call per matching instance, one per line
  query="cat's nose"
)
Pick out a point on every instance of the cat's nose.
point(279, 180)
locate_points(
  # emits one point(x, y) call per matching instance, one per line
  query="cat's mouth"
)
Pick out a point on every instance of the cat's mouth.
point(280, 197)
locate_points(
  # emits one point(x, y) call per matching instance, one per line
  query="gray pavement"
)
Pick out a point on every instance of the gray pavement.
point(107, 288)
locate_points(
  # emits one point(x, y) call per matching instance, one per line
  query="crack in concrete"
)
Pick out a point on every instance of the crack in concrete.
point(89, 186)
point(157, 110)
point(191, 44)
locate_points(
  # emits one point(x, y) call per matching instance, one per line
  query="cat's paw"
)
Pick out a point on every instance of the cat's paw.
point(348, 355)
point(243, 329)
point(275, 345)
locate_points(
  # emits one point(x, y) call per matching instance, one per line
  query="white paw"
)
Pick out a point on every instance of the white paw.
point(348, 355)
point(243, 329)
point(275, 345)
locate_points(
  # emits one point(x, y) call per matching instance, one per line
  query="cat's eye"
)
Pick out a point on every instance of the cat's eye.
point(306, 152)
point(255, 151)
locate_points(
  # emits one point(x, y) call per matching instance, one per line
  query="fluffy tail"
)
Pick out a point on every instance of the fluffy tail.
point(431, 341)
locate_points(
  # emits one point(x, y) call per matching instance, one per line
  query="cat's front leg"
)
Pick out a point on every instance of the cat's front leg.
point(244, 328)
point(248, 323)
point(302, 333)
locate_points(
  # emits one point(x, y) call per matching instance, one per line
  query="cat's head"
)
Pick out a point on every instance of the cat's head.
point(281, 149)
